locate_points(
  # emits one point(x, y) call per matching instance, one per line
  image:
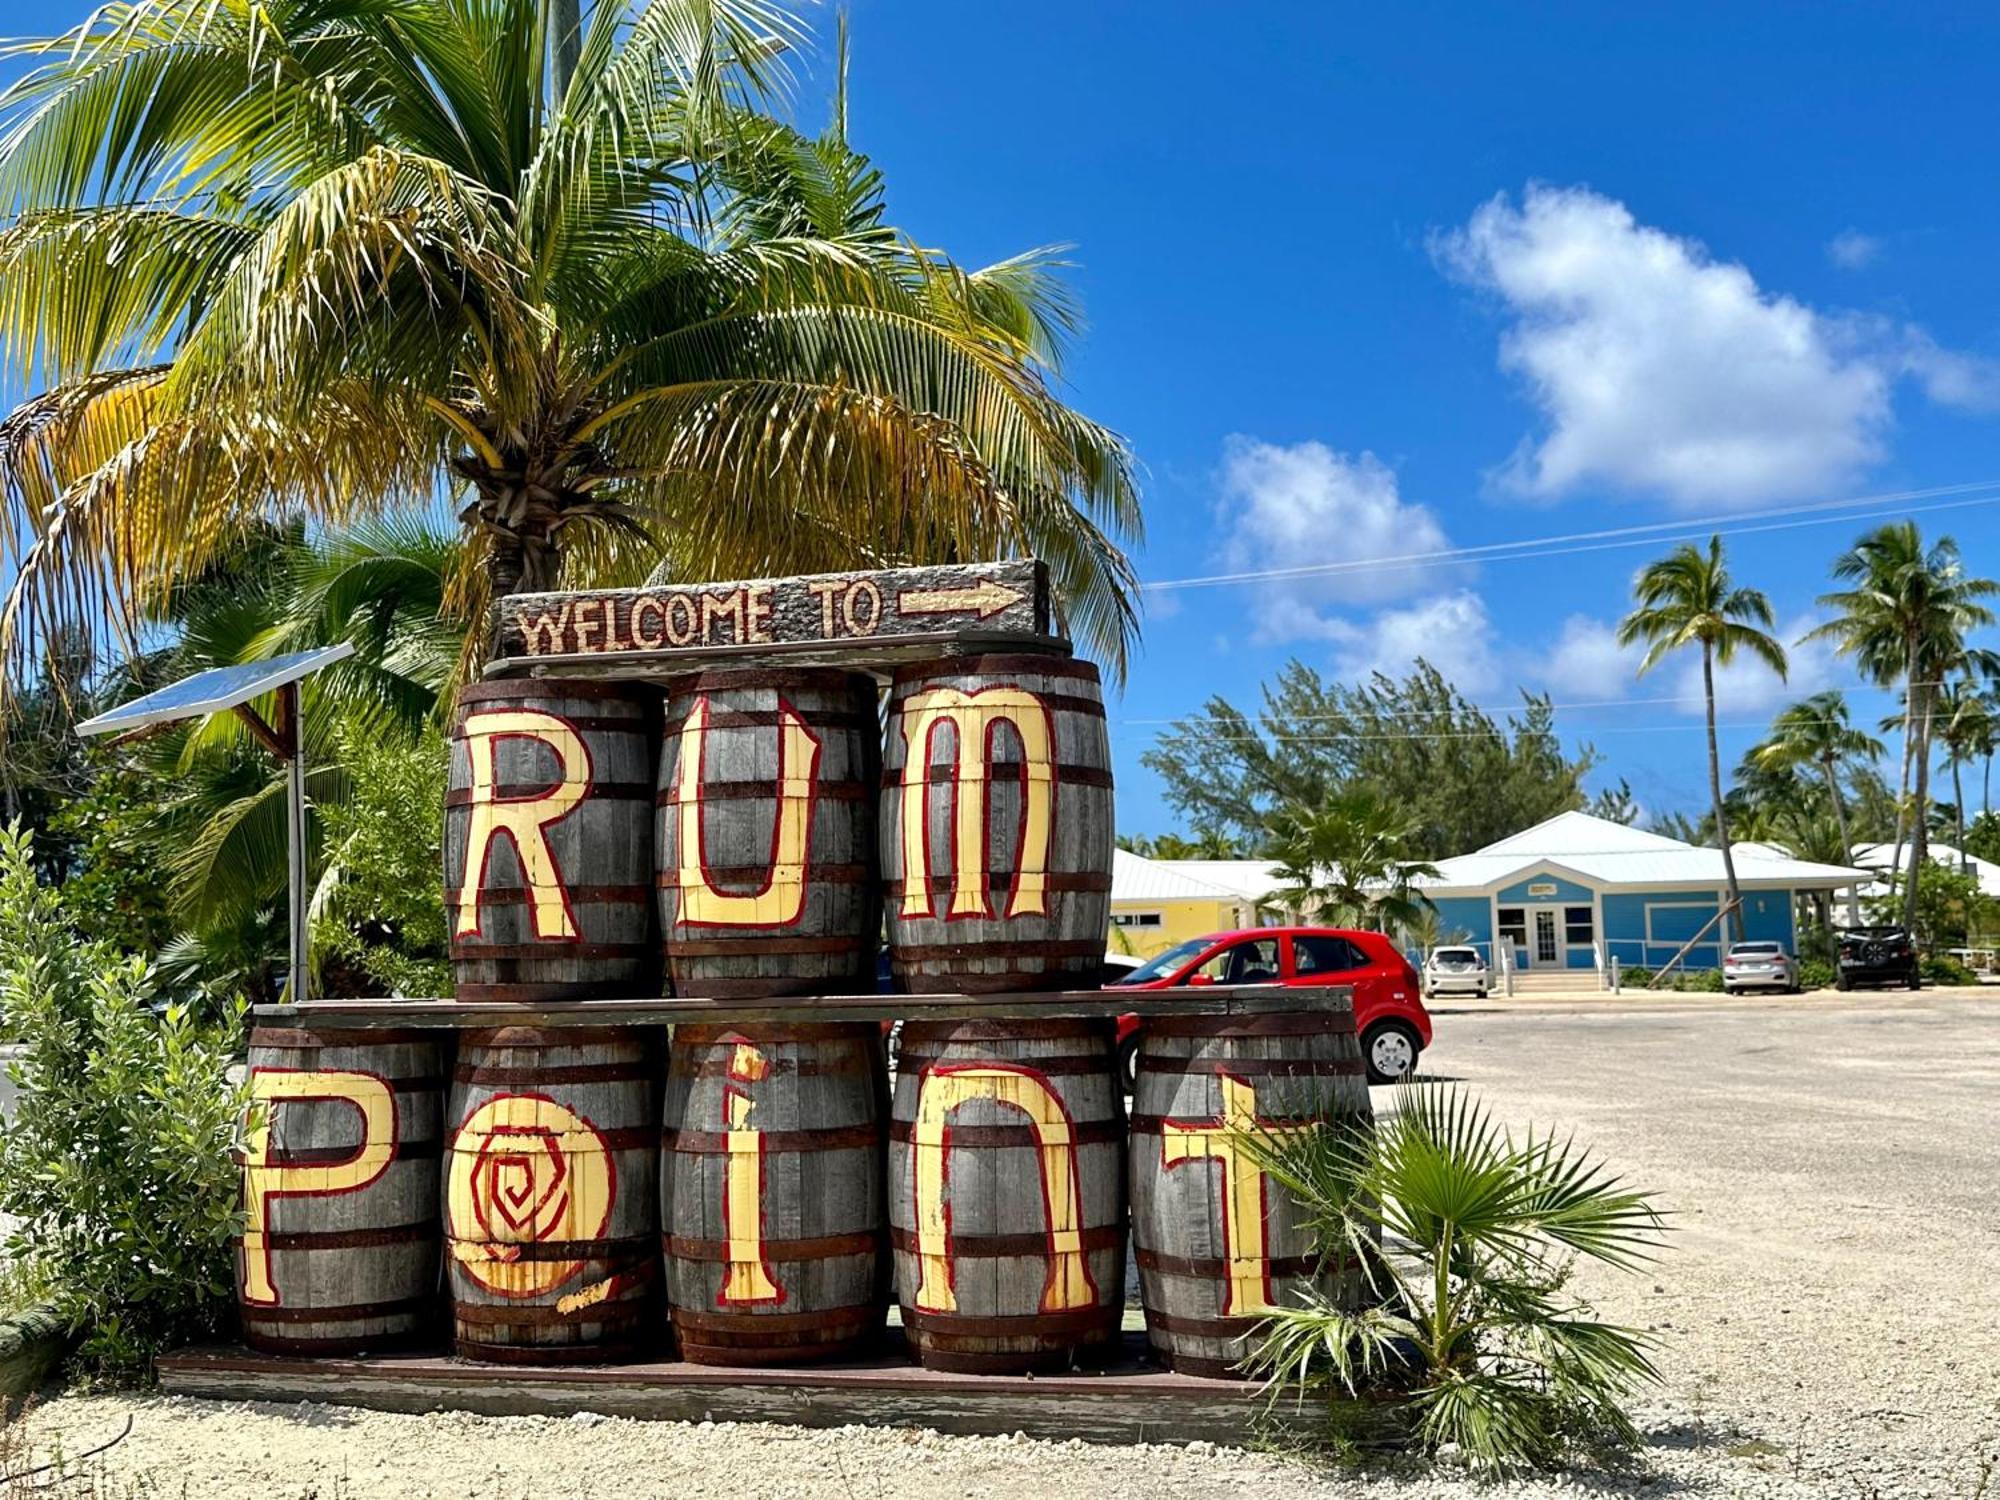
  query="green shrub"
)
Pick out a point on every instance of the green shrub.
point(118, 1163)
point(1635, 976)
point(1942, 968)
point(1700, 981)
point(1815, 974)
point(1470, 1326)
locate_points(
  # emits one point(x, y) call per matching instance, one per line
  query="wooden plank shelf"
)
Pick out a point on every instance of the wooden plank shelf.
point(878, 658)
point(1129, 1401)
point(1218, 1000)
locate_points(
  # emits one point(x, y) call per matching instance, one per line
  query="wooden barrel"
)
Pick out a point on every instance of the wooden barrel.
point(1217, 1244)
point(548, 841)
point(996, 825)
point(771, 1192)
point(339, 1252)
point(1007, 1193)
point(550, 1193)
point(766, 833)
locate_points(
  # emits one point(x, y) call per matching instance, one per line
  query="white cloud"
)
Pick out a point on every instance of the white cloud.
point(1659, 368)
point(1452, 632)
point(1587, 664)
point(1950, 378)
point(1851, 250)
point(1288, 506)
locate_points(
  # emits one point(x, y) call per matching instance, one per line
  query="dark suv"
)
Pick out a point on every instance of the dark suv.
point(1881, 956)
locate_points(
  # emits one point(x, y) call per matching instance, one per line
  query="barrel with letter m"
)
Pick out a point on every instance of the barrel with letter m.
point(550, 1193)
point(1218, 1244)
point(771, 1192)
point(996, 822)
point(548, 844)
point(1007, 1194)
point(766, 833)
point(339, 1250)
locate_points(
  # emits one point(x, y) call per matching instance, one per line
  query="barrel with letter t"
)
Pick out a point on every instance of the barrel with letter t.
point(548, 844)
point(1218, 1245)
point(339, 1250)
point(997, 825)
point(766, 833)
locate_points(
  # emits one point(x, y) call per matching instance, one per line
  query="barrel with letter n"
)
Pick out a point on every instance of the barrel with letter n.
point(766, 833)
point(339, 1250)
point(1007, 1194)
point(1218, 1244)
point(548, 845)
point(997, 825)
point(771, 1192)
point(550, 1193)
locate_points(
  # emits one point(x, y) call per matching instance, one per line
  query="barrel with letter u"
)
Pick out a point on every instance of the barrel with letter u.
point(550, 1193)
point(766, 833)
point(771, 1192)
point(996, 823)
point(1218, 1245)
point(548, 844)
point(339, 1251)
point(1007, 1193)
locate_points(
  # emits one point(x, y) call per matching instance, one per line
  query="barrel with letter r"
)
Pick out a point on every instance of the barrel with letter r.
point(548, 845)
point(996, 821)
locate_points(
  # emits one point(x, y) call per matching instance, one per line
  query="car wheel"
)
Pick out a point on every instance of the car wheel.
point(1128, 1063)
point(1391, 1048)
point(1842, 983)
point(1916, 981)
point(1479, 994)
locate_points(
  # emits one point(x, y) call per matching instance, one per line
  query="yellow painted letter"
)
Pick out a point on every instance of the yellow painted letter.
point(524, 820)
point(783, 895)
point(748, 1279)
point(1245, 1243)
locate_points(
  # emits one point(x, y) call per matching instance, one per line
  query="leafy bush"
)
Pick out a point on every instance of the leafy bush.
point(118, 1162)
point(1699, 981)
point(1635, 976)
point(1469, 1321)
point(1942, 968)
point(1815, 974)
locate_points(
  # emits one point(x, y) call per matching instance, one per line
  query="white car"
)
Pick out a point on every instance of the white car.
point(1455, 970)
point(1759, 966)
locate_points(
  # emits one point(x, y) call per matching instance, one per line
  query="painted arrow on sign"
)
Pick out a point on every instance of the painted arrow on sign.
point(983, 600)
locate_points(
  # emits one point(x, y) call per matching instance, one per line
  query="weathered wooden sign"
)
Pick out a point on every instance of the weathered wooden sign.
point(830, 608)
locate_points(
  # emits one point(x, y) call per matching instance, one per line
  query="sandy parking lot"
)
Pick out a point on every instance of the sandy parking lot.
point(1831, 1310)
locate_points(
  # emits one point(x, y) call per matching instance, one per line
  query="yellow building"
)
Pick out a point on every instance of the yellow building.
point(1157, 903)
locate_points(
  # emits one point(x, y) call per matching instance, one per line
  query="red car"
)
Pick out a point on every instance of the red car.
point(1388, 999)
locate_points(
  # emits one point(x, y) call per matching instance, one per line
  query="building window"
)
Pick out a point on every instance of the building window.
point(1579, 929)
point(1136, 919)
point(1514, 925)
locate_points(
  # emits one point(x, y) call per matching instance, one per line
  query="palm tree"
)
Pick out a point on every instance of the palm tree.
point(1348, 861)
point(1818, 732)
point(1965, 727)
point(331, 257)
point(1904, 615)
point(1687, 598)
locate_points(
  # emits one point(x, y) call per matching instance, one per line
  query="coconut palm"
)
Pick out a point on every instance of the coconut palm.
point(331, 257)
point(1348, 861)
point(1965, 727)
point(1687, 598)
point(1818, 732)
point(1904, 617)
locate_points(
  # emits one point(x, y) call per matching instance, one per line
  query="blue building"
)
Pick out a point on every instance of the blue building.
point(1575, 892)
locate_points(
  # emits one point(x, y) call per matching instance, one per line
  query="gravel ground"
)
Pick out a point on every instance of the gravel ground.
point(1831, 1311)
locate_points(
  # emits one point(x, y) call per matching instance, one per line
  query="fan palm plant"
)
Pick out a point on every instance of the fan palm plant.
point(1904, 616)
point(1348, 861)
point(1687, 598)
point(1818, 731)
point(331, 257)
point(1464, 1237)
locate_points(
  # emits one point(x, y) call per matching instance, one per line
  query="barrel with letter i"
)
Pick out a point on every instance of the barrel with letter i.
point(548, 845)
point(1007, 1194)
point(1218, 1245)
point(766, 833)
point(996, 825)
point(771, 1192)
point(339, 1251)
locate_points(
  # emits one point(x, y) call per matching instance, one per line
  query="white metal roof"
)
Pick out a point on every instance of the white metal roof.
point(1879, 857)
point(1136, 879)
point(1602, 853)
point(1250, 880)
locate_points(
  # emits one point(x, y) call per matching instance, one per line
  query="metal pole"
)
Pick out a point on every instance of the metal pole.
point(295, 838)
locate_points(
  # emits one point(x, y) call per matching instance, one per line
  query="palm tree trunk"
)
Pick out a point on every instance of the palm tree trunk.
point(1846, 849)
point(1920, 696)
point(566, 36)
point(1715, 794)
point(1958, 807)
point(1903, 786)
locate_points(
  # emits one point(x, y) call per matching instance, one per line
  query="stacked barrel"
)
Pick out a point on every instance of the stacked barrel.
point(757, 1193)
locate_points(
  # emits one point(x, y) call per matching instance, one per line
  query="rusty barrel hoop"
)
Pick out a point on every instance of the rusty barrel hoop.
point(343, 1159)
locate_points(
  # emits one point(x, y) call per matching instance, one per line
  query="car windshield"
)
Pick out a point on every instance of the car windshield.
point(1755, 950)
point(1453, 956)
point(1160, 965)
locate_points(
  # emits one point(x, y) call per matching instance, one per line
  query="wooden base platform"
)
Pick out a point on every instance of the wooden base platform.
point(1130, 1402)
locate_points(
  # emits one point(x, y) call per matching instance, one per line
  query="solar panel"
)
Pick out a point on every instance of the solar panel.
point(214, 690)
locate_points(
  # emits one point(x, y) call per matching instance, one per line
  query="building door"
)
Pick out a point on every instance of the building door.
point(1548, 942)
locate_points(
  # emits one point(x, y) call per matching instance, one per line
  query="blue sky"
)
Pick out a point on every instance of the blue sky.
point(1365, 281)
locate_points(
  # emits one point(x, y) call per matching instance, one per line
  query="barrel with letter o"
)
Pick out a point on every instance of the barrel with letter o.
point(550, 1193)
point(548, 845)
point(766, 833)
point(996, 821)
point(1218, 1245)
point(1007, 1193)
point(771, 1190)
point(339, 1250)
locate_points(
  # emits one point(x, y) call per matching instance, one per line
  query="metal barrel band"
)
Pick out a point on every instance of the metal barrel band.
point(316, 1156)
point(1029, 1137)
point(1054, 880)
point(1004, 773)
point(1249, 1067)
point(901, 955)
point(777, 1252)
point(519, 791)
point(347, 1312)
point(690, 1038)
point(716, 1143)
point(1202, 1328)
point(303, 1039)
point(750, 1323)
point(1076, 1322)
point(754, 947)
point(1024, 662)
point(1010, 1246)
point(1215, 1268)
point(949, 1033)
point(816, 873)
point(579, 895)
point(1324, 1020)
point(349, 1239)
point(495, 1074)
point(466, 948)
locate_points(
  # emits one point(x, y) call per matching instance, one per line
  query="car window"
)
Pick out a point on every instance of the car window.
point(1162, 964)
point(1252, 962)
point(1319, 954)
point(1454, 955)
point(1759, 949)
